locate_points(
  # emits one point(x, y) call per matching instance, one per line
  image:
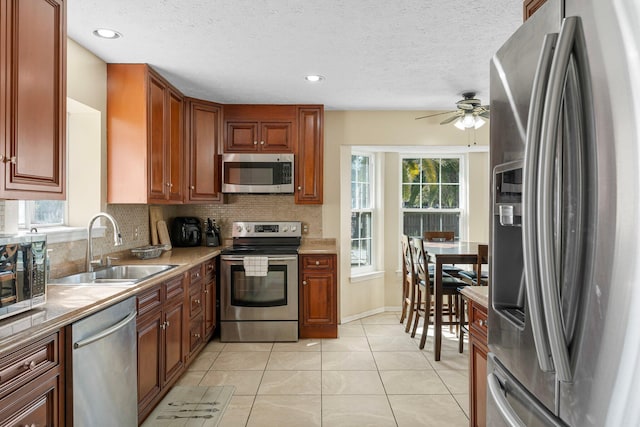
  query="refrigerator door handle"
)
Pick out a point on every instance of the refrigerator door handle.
point(545, 200)
point(498, 396)
point(530, 183)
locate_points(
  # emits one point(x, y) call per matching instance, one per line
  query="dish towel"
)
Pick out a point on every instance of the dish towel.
point(255, 265)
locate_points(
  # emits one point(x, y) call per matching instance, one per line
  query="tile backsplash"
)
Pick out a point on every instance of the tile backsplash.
point(133, 220)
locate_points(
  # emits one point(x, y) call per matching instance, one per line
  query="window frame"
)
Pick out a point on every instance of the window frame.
point(373, 202)
point(463, 183)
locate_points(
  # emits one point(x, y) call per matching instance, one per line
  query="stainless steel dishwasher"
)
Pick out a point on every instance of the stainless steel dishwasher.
point(104, 367)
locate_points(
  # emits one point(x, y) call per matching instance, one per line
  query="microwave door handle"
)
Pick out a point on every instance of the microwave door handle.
point(545, 200)
point(529, 218)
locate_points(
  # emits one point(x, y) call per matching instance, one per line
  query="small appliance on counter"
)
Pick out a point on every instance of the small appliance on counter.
point(212, 234)
point(186, 231)
point(23, 266)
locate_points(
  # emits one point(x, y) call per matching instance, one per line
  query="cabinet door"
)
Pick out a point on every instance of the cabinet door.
point(33, 110)
point(149, 338)
point(309, 164)
point(209, 307)
point(34, 404)
point(318, 299)
point(175, 146)
point(241, 137)
point(204, 139)
point(478, 380)
point(173, 341)
point(276, 137)
point(156, 143)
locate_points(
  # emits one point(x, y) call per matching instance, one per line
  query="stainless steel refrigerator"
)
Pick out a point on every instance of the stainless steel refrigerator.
point(564, 333)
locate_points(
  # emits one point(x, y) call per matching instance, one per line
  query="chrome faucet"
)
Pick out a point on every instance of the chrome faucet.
point(117, 239)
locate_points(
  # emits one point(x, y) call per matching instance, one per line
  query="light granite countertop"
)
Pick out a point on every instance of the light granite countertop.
point(67, 304)
point(318, 246)
point(478, 294)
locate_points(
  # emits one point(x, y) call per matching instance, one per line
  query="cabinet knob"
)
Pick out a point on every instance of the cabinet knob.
point(193, 187)
point(482, 322)
point(196, 335)
point(163, 325)
point(167, 323)
point(304, 282)
point(261, 142)
point(255, 142)
point(317, 262)
point(197, 301)
point(29, 365)
point(299, 188)
point(206, 291)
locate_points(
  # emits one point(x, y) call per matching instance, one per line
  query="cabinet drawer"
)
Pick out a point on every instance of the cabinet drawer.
point(27, 363)
point(174, 288)
point(195, 300)
point(209, 268)
point(195, 274)
point(315, 262)
point(149, 300)
point(478, 320)
point(195, 333)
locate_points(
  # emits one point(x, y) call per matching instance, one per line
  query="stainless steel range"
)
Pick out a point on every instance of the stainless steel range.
point(259, 283)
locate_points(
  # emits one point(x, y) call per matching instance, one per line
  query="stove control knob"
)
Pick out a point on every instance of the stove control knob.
point(239, 228)
point(285, 228)
point(294, 228)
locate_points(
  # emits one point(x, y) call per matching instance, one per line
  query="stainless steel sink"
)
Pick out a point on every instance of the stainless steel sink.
point(116, 275)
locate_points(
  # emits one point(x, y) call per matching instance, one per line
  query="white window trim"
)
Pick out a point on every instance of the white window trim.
point(464, 188)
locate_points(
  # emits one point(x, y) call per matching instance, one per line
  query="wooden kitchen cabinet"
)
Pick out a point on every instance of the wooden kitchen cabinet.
point(259, 128)
point(318, 307)
point(33, 92)
point(160, 340)
point(530, 7)
point(310, 155)
point(145, 136)
point(204, 136)
point(209, 269)
point(477, 363)
point(32, 384)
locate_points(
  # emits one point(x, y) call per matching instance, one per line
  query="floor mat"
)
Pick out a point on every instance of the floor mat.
point(191, 406)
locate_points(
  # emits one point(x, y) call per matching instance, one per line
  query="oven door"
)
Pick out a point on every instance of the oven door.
point(271, 297)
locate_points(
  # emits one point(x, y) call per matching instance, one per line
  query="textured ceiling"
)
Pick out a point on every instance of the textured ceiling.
point(374, 54)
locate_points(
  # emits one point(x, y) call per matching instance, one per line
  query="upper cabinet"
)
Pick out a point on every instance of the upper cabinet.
point(204, 135)
point(310, 156)
point(32, 99)
point(145, 136)
point(530, 7)
point(259, 128)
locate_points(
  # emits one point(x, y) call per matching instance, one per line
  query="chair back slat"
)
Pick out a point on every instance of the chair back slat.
point(439, 236)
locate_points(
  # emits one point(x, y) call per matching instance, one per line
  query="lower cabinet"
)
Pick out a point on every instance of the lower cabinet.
point(478, 364)
point(32, 384)
point(318, 305)
point(160, 336)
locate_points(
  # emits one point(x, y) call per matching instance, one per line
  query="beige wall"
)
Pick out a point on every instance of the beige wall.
point(391, 132)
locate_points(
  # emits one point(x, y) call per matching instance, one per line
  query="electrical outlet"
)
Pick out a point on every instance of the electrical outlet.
point(135, 233)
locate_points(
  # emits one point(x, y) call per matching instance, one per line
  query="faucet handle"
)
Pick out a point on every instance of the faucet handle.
point(110, 259)
point(95, 263)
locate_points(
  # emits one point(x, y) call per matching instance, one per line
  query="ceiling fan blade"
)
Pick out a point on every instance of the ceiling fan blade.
point(484, 114)
point(450, 119)
point(437, 114)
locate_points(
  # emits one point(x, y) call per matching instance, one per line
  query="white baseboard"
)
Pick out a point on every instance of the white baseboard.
point(368, 313)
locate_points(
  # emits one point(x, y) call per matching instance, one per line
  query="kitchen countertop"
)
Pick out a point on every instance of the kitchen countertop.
point(69, 303)
point(478, 294)
point(318, 246)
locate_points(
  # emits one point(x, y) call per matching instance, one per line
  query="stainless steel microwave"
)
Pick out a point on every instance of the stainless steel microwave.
point(257, 173)
point(22, 273)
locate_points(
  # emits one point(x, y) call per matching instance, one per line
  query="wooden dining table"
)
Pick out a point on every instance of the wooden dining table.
point(441, 253)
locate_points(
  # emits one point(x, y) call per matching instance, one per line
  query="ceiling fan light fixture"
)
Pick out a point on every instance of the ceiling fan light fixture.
point(479, 122)
point(468, 121)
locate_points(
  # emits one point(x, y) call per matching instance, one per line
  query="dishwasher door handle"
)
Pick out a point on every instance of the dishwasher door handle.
point(106, 332)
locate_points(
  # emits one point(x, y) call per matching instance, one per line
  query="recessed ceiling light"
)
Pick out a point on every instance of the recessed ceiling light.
point(314, 78)
point(106, 33)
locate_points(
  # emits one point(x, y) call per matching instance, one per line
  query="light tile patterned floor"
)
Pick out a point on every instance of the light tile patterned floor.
point(373, 375)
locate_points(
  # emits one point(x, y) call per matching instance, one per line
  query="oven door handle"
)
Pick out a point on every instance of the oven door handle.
point(240, 259)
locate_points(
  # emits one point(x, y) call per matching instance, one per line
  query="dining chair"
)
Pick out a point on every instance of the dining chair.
point(443, 236)
point(475, 277)
point(409, 282)
point(426, 282)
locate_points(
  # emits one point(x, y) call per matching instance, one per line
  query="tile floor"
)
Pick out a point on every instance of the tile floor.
point(373, 375)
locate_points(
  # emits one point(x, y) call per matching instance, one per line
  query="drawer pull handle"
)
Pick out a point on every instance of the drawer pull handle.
point(30, 365)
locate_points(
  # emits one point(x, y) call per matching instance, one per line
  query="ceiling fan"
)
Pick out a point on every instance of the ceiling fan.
point(469, 115)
